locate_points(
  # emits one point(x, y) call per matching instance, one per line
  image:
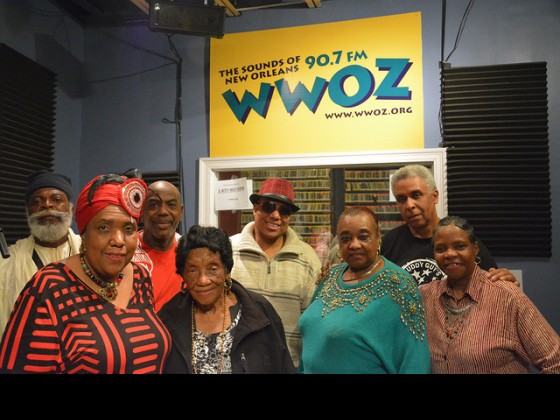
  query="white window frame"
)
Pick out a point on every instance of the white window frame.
point(209, 169)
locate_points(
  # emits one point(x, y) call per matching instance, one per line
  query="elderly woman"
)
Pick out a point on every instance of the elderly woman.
point(216, 324)
point(476, 325)
point(92, 312)
point(366, 315)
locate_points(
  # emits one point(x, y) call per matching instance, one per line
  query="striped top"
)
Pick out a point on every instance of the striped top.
point(502, 332)
point(59, 325)
point(287, 279)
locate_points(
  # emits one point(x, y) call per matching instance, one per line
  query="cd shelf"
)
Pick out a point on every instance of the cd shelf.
point(370, 187)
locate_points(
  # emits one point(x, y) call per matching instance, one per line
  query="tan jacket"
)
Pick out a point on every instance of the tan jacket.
point(287, 280)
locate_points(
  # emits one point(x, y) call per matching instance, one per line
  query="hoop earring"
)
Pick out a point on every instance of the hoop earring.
point(477, 260)
point(227, 284)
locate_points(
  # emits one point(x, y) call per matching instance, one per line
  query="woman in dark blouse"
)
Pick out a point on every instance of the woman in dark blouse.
point(217, 325)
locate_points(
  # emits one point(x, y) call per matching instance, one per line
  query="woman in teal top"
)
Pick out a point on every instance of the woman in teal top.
point(366, 315)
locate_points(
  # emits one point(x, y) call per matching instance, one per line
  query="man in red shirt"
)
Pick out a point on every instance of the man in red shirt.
point(157, 241)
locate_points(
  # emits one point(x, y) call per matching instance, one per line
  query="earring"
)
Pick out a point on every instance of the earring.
point(83, 248)
point(477, 260)
point(184, 287)
point(227, 284)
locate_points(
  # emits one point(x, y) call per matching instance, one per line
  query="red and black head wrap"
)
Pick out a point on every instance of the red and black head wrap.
point(128, 193)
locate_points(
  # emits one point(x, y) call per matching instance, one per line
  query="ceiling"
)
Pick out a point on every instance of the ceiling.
point(104, 13)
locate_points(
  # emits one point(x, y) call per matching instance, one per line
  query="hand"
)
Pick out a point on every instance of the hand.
point(502, 274)
point(324, 271)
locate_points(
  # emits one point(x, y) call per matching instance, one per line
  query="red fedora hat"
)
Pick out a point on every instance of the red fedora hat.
point(276, 189)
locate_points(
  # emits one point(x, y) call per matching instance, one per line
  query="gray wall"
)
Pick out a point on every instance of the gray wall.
point(117, 85)
point(40, 31)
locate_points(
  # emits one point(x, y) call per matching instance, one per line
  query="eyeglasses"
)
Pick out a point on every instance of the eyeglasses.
point(270, 206)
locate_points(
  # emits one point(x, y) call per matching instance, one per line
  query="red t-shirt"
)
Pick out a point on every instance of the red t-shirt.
point(161, 265)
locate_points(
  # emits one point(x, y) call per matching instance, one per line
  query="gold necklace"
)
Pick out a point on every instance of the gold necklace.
point(193, 342)
point(108, 289)
point(366, 273)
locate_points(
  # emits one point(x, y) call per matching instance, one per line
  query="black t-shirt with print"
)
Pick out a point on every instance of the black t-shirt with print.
point(416, 255)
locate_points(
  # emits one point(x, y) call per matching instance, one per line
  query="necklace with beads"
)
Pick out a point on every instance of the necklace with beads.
point(108, 289)
point(193, 342)
point(454, 311)
point(366, 273)
point(455, 319)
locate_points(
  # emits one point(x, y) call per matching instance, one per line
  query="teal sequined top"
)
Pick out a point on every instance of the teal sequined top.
point(374, 326)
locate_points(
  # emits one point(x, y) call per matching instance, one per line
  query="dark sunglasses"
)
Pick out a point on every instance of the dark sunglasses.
point(270, 206)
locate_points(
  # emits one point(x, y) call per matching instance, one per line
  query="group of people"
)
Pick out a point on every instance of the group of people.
point(118, 300)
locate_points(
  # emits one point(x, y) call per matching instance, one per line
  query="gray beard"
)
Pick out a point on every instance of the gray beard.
point(53, 232)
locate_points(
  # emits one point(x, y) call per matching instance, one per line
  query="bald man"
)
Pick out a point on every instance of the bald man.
point(157, 241)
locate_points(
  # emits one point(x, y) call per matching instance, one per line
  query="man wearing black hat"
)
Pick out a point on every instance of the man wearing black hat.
point(49, 217)
point(270, 259)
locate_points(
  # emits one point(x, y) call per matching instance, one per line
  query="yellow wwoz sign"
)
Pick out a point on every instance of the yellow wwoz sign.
point(344, 86)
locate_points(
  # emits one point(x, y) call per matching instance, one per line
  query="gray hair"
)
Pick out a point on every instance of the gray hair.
point(410, 171)
point(459, 222)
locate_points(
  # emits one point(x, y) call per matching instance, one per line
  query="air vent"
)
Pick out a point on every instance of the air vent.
point(495, 129)
point(27, 124)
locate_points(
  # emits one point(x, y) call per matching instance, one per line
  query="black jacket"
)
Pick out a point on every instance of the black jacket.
point(259, 342)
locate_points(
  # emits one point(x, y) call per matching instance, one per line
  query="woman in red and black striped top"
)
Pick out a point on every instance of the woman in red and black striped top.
point(92, 312)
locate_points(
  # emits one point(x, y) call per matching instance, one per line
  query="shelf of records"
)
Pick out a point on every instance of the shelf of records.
point(387, 225)
point(370, 188)
point(367, 181)
point(290, 174)
point(312, 196)
point(367, 186)
point(309, 184)
point(367, 174)
point(388, 208)
point(367, 198)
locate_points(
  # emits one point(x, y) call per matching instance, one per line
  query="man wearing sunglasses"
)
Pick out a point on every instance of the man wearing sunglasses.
point(270, 259)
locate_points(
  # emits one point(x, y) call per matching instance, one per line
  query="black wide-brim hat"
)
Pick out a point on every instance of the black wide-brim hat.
point(276, 189)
